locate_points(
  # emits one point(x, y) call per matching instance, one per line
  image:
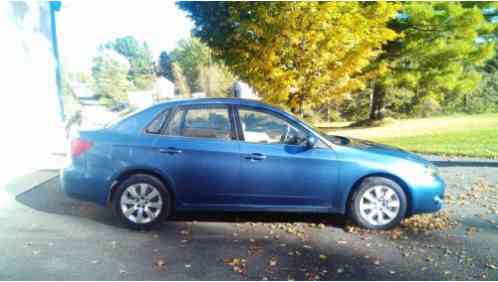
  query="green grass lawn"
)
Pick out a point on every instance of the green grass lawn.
point(462, 135)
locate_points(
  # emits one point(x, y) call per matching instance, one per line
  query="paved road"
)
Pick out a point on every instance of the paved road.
point(46, 236)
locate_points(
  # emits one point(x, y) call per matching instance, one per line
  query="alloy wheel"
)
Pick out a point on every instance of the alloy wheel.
point(379, 205)
point(141, 203)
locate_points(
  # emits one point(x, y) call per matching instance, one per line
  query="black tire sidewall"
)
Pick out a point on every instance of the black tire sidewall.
point(365, 185)
point(141, 178)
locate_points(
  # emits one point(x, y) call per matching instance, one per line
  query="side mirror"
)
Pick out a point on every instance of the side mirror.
point(311, 141)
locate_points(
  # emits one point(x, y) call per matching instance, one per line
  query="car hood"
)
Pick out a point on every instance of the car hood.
point(376, 148)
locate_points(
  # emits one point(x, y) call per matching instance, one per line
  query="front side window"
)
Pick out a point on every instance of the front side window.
point(266, 128)
point(205, 122)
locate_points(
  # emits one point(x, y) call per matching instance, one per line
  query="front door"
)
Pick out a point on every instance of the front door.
point(198, 151)
point(278, 169)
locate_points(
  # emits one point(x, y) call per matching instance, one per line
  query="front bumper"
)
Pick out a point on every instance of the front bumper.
point(428, 197)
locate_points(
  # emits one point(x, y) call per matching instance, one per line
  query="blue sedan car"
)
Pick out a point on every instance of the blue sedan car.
point(243, 155)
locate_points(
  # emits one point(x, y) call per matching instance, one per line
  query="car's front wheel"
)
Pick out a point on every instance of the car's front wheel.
point(378, 203)
point(141, 201)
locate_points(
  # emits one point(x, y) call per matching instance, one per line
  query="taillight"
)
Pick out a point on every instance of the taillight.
point(79, 146)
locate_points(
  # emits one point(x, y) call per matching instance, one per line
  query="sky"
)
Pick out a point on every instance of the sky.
point(84, 25)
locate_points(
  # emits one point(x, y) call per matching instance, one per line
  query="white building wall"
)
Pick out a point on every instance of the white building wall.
point(30, 123)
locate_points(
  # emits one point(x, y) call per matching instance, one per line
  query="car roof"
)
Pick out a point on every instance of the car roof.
point(229, 101)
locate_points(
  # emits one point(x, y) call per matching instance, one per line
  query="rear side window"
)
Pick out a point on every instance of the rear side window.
point(201, 122)
point(157, 124)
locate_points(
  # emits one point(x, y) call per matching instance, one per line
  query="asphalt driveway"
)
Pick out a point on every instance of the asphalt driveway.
point(45, 235)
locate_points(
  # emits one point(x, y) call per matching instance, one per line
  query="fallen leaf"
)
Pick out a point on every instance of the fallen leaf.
point(160, 263)
point(273, 261)
point(492, 266)
point(255, 250)
point(471, 231)
point(323, 257)
point(238, 265)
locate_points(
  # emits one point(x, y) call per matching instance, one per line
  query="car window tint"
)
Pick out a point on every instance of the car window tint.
point(206, 122)
point(156, 125)
point(262, 127)
point(174, 127)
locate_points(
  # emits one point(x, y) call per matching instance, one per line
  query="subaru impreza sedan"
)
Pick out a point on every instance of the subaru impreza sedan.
point(237, 155)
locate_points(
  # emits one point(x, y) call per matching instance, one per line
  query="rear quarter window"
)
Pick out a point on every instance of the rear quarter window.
point(136, 122)
point(157, 124)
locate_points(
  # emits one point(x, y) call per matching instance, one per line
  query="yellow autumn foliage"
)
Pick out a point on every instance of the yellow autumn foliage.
point(305, 53)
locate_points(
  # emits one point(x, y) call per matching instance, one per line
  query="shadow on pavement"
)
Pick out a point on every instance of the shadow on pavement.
point(241, 217)
point(48, 197)
point(210, 241)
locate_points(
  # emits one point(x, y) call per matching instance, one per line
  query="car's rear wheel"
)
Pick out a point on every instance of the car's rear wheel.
point(141, 201)
point(378, 203)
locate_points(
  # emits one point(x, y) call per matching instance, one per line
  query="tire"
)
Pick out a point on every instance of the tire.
point(370, 210)
point(128, 206)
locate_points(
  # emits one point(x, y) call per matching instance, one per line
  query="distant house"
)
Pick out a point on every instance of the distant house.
point(164, 88)
point(82, 91)
point(243, 90)
point(141, 99)
point(197, 95)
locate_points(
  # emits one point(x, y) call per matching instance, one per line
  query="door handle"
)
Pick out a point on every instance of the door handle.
point(170, 151)
point(255, 157)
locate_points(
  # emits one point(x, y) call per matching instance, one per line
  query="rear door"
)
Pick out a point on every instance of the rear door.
point(199, 152)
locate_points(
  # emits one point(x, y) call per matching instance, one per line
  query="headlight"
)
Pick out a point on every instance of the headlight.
point(431, 170)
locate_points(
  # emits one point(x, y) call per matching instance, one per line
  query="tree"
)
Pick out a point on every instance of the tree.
point(434, 61)
point(485, 98)
point(142, 71)
point(180, 81)
point(110, 71)
point(295, 53)
point(214, 80)
point(202, 72)
point(165, 66)
point(190, 54)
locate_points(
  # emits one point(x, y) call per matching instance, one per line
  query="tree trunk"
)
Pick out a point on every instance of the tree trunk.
point(377, 102)
point(301, 106)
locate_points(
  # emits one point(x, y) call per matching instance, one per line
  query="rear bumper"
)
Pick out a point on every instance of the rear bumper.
point(429, 197)
point(77, 185)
